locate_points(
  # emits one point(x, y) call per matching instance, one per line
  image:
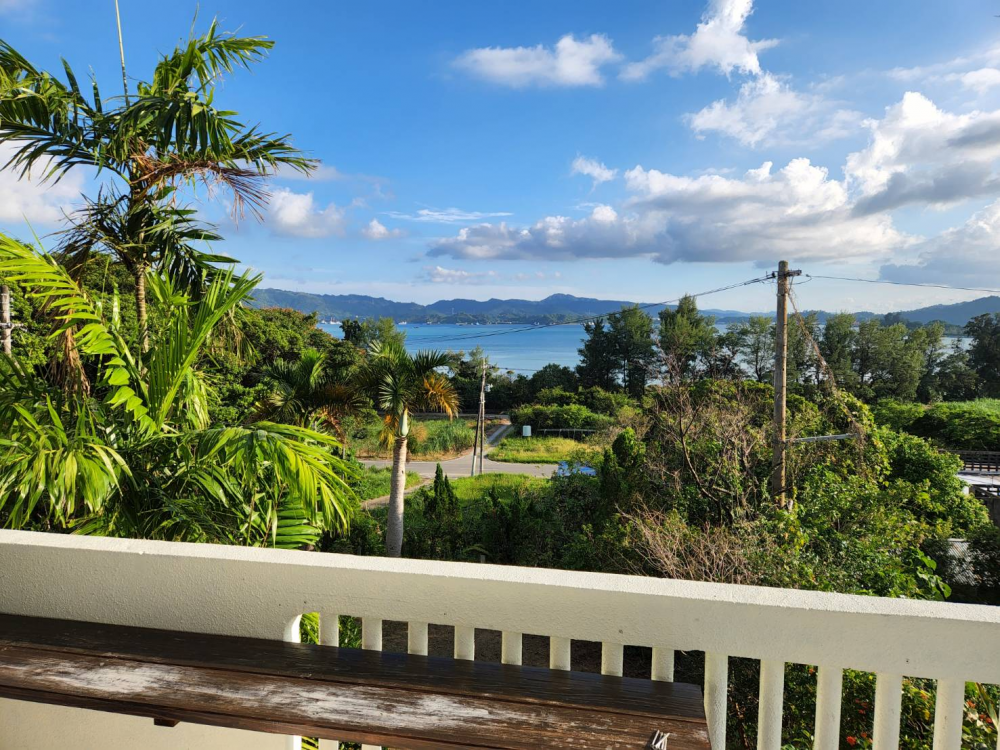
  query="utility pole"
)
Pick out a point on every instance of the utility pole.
point(482, 419)
point(477, 444)
point(5, 322)
point(780, 444)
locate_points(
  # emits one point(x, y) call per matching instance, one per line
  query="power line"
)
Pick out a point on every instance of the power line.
point(578, 321)
point(904, 283)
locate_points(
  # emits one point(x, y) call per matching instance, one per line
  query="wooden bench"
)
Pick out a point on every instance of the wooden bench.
point(379, 698)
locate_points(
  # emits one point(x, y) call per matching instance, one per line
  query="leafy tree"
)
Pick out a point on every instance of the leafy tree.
point(955, 378)
point(554, 376)
point(837, 346)
point(685, 334)
point(169, 132)
point(756, 345)
point(399, 383)
point(598, 359)
point(984, 353)
point(632, 344)
point(138, 456)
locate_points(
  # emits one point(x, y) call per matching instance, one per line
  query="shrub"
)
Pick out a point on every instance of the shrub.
point(897, 415)
point(573, 416)
point(966, 425)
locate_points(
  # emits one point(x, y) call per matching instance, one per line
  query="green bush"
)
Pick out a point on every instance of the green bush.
point(897, 415)
point(574, 416)
point(969, 425)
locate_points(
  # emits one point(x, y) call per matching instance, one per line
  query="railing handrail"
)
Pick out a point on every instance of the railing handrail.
point(248, 591)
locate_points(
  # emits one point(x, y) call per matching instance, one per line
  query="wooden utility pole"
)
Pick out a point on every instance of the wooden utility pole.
point(780, 381)
point(6, 324)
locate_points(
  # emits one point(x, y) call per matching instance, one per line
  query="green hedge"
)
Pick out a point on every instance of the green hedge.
point(964, 425)
point(552, 417)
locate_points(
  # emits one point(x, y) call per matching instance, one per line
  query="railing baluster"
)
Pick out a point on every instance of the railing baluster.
point(716, 694)
point(559, 653)
point(510, 648)
point(662, 668)
point(888, 701)
point(612, 658)
point(329, 635)
point(465, 643)
point(829, 689)
point(371, 634)
point(416, 638)
point(293, 634)
point(329, 629)
point(772, 695)
point(371, 640)
point(948, 712)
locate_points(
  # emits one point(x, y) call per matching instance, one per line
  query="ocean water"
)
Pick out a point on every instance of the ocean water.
point(520, 348)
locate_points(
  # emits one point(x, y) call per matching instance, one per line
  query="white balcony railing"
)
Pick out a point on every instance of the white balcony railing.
point(261, 593)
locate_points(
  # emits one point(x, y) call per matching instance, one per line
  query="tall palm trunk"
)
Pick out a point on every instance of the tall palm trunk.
point(140, 306)
point(394, 529)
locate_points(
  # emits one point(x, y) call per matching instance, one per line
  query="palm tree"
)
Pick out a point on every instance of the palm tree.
point(309, 394)
point(169, 133)
point(137, 456)
point(399, 383)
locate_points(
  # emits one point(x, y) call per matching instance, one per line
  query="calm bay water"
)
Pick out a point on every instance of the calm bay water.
point(511, 347)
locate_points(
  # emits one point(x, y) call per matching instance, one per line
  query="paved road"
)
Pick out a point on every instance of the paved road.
point(462, 466)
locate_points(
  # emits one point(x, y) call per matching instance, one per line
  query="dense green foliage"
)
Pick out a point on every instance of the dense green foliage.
point(540, 450)
point(970, 425)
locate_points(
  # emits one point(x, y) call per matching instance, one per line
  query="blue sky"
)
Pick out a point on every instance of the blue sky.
point(626, 150)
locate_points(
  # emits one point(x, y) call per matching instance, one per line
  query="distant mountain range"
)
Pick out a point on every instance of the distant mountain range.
point(552, 309)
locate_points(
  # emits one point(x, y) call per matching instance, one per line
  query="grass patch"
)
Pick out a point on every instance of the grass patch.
point(429, 439)
point(540, 450)
point(375, 482)
point(469, 489)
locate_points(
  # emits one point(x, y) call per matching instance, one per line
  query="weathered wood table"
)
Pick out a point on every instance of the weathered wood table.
point(379, 698)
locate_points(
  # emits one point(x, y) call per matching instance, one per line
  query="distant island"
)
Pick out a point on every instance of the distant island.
point(558, 308)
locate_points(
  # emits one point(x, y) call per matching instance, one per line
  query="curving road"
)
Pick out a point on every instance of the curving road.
point(462, 466)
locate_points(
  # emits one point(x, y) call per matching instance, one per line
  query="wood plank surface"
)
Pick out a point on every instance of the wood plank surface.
point(373, 697)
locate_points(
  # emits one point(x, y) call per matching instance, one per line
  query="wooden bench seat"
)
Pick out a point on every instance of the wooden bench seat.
point(374, 697)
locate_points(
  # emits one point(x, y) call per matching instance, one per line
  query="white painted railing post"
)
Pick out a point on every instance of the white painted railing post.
point(293, 634)
point(662, 668)
point(829, 691)
point(416, 638)
point(769, 713)
point(949, 708)
point(559, 653)
point(612, 658)
point(465, 643)
point(510, 648)
point(716, 697)
point(888, 703)
point(371, 640)
point(329, 635)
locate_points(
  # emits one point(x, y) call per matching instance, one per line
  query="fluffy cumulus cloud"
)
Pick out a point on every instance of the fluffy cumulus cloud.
point(33, 201)
point(767, 109)
point(297, 215)
point(376, 230)
point(797, 211)
point(718, 42)
point(967, 255)
point(921, 154)
point(572, 62)
point(593, 169)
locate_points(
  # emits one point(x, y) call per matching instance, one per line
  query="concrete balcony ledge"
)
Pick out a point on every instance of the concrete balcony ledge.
point(262, 593)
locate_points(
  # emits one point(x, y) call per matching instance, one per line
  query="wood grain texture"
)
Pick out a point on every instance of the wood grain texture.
point(378, 698)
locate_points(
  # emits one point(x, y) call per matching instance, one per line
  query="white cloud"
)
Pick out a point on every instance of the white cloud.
point(439, 275)
point(920, 154)
point(33, 201)
point(768, 110)
point(796, 212)
point(967, 255)
point(980, 80)
point(376, 230)
point(572, 62)
point(297, 215)
point(447, 215)
point(593, 169)
point(718, 42)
